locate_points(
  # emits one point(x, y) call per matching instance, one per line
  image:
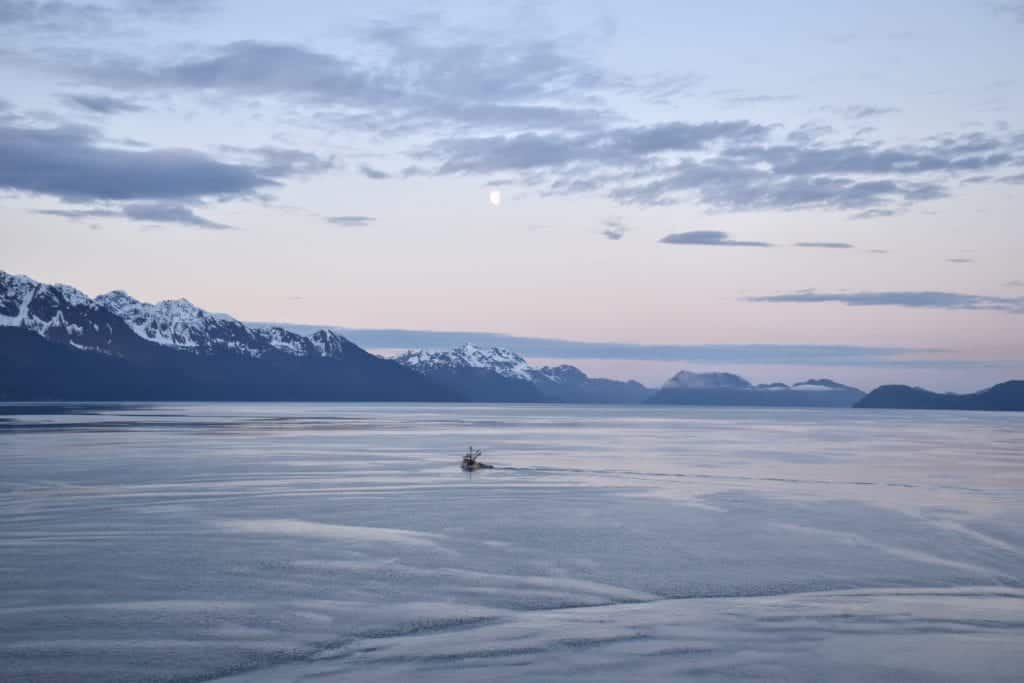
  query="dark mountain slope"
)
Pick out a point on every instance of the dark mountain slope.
point(1005, 396)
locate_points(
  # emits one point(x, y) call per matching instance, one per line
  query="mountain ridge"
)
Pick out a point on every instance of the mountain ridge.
point(1005, 396)
point(727, 389)
point(500, 375)
point(57, 343)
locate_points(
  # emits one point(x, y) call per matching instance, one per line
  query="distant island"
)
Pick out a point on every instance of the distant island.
point(58, 344)
point(1005, 396)
point(726, 389)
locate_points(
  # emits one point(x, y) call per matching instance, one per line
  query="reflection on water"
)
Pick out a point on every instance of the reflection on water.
point(342, 542)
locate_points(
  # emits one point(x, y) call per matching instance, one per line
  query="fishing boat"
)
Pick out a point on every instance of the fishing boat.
point(471, 462)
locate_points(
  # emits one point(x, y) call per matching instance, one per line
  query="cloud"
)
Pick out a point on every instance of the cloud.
point(103, 104)
point(874, 213)
point(729, 165)
point(825, 245)
point(866, 112)
point(622, 146)
point(170, 213)
point(351, 221)
point(959, 260)
point(53, 16)
point(373, 173)
point(736, 165)
point(615, 229)
point(711, 238)
point(942, 300)
point(143, 212)
point(1015, 283)
point(535, 112)
point(280, 162)
point(760, 99)
point(75, 164)
point(78, 214)
point(415, 80)
point(60, 16)
point(1012, 180)
point(171, 9)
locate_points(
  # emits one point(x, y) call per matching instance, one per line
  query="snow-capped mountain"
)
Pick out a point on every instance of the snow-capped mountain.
point(63, 313)
point(59, 313)
point(57, 343)
point(499, 361)
point(500, 375)
point(182, 325)
point(479, 374)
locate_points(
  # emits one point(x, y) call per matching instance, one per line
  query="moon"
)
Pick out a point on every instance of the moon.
point(495, 197)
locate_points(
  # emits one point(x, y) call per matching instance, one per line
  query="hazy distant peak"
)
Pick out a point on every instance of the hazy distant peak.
point(707, 380)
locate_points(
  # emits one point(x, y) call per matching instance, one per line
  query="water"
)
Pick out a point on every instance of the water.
point(339, 542)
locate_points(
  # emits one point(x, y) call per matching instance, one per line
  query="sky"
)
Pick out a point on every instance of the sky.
point(751, 184)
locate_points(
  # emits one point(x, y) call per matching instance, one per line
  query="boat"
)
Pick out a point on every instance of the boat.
point(471, 463)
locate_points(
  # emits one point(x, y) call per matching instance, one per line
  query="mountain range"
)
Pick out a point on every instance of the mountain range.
point(56, 343)
point(499, 375)
point(726, 389)
point(1004, 396)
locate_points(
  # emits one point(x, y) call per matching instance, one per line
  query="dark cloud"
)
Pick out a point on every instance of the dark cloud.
point(867, 112)
point(74, 164)
point(959, 260)
point(810, 132)
point(534, 111)
point(1012, 180)
point(623, 146)
point(878, 251)
point(60, 16)
point(711, 238)
point(1015, 283)
point(949, 154)
point(149, 212)
point(730, 165)
point(103, 104)
point(874, 213)
point(419, 83)
point(373, 173)
point(170, 9)
point(351, 221)
point(760, 99)
point(737, 186)
point(825, 245)
point(943, 300)
point(52, 16)
point(614, 229)
point(170, 213)
point(280, 162)
point(78, 214)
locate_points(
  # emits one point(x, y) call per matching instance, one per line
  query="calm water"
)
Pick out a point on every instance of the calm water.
point(342, 542)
